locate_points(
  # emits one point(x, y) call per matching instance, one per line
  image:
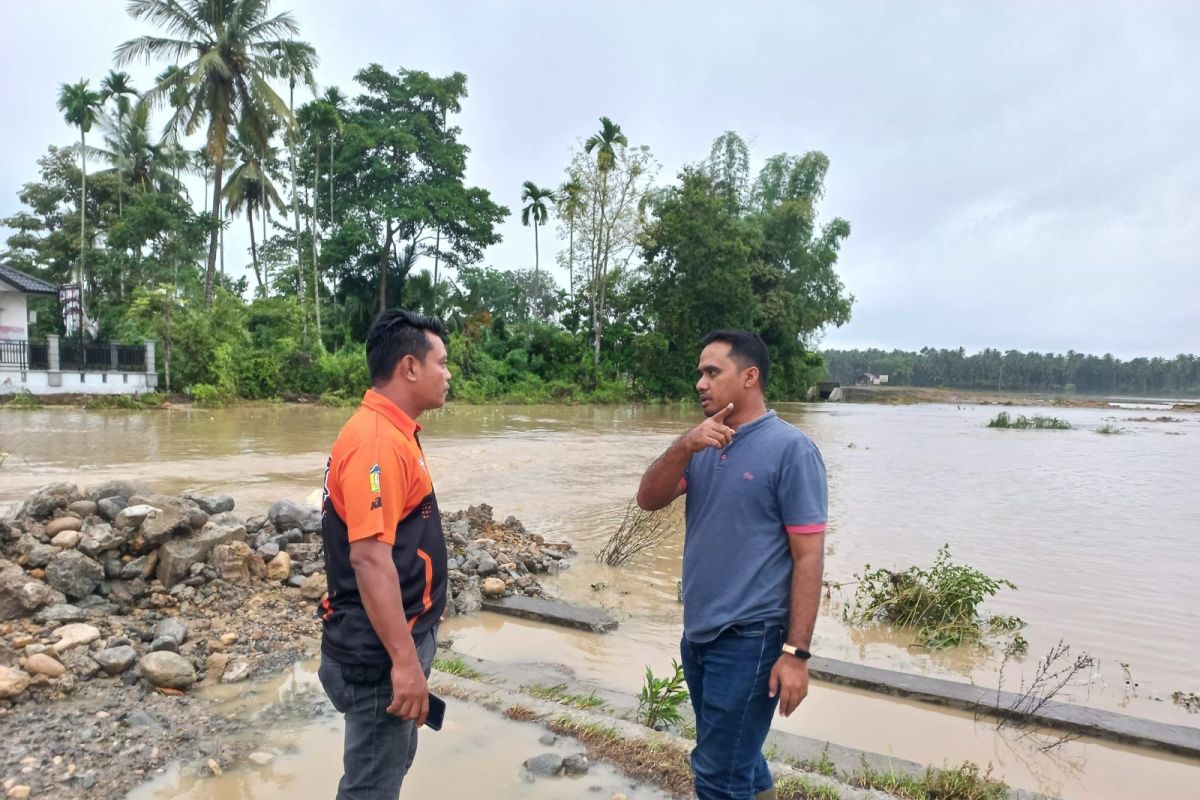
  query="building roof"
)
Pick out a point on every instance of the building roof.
point(25, 283)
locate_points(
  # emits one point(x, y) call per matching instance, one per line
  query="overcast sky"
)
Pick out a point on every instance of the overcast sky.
point(1016, 175)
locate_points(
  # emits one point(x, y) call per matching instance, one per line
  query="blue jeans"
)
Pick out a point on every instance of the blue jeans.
point(379, 747)
point(728, 679)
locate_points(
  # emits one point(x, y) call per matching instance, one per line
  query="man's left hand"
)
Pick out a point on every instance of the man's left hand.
point(789, 681)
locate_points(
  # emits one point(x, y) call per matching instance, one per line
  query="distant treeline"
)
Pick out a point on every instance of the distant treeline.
point(1017, 371)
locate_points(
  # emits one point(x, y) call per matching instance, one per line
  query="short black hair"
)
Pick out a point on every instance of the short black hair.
point(394, 334)
point(746, 348)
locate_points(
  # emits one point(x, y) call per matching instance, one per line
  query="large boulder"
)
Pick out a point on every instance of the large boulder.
point(121, 489)
point(175, 517)
point(100, 538)
point(284, 514)
point(280, 567)
point(212, 504)
point(77, 634)
point(176, 557)
point(65, 523)
point(167, 670)
point(116, 660)
point(236, 562)
point(21, 595)
point(74, 574)
point(111, 507)
point(13, 681)
point(45, 501)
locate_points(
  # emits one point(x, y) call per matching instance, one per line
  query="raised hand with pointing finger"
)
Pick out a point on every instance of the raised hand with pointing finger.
point(712, 432)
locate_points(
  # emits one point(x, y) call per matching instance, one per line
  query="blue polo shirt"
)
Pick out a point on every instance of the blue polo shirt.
point(743, 502)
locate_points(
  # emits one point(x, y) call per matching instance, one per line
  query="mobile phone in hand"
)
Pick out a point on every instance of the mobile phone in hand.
point(437, 712)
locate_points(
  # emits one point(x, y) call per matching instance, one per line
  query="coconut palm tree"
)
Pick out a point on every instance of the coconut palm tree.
point(138, 158)
point(536, 209)
point(295, 63)
point(118, 87)
point(605, 143)
point(231, 43)
point(80, 107)
point(569, 200)
point(250, 189)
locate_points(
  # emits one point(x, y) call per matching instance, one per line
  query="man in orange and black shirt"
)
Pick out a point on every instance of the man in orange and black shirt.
point(385, 558)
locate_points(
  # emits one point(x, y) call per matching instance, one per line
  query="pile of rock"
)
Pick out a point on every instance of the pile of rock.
point(94, 583)
point(490, 559)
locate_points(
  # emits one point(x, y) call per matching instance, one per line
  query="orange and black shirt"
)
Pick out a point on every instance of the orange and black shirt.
point(377, 485)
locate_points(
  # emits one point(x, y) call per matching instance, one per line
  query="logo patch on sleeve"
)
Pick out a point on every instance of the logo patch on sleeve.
point(375, 479)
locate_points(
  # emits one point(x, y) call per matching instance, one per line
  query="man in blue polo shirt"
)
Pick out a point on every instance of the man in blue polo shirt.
point(757, 502)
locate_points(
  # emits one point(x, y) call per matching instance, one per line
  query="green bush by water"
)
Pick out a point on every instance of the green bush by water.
point(1022, 422)
point(941, 603)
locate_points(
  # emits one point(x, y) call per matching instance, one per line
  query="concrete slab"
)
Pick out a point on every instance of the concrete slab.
point(1082, 720)
point(553, 612)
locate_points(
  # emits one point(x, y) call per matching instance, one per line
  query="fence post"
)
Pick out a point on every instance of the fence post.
point(53, 375)
point(112, 356)
point(151, 371)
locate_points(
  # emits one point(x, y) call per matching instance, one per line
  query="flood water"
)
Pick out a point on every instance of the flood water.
point(1100, 534)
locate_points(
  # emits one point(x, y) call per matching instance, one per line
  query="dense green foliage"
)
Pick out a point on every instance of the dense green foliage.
point(356, 203)
point(1015, 371)
point(941, 603)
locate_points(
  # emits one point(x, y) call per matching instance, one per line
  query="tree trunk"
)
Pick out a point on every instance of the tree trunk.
point(254, 250)
point(167, 346)
point(292, 161)
point(210, 275)
point(537, 285)
point(571, 261)
point(383, 266)
point(316, 200)
point(82, 220)
point(437, 254)
point(266, 274)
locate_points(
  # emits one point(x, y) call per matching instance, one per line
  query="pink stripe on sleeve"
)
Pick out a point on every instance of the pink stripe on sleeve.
point(800, 530)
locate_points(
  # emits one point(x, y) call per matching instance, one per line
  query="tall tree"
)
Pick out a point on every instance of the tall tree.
point(118, 87)
point(400, 169)
point(616, 181)
point(536, 210)
point(231, 43)
point(296, 63)
point(319, 122)
point(251, 190)
point(569, 201)
point(80, 106)
point(729, 165)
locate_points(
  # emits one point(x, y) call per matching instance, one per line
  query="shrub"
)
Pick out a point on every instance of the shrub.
point(942, 603)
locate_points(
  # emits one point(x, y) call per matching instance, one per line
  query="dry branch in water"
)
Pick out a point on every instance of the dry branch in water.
point(640, 530)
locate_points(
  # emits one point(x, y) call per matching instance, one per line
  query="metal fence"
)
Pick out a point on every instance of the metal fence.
point(73, 356)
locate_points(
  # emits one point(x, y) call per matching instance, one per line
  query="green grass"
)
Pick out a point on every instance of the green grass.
point(965, 782)
point(24, 400)
point(794, 787)
point(1022, 422)
point(455, 666)
point(1109, 429)
point(822, 765)
point(559, 694)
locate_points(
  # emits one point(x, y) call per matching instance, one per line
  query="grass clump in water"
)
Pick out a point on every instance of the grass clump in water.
point(24, 400)
point(559, 694)
point(665, 765)
point(794, 787)
point(1022, 422)
point(942, 602)
point(1108, 429)
point(455, 666)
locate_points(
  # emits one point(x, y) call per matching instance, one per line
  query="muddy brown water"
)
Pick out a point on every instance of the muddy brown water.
point(1098, 532)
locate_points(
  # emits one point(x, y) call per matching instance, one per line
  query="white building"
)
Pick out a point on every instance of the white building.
point(59, 365)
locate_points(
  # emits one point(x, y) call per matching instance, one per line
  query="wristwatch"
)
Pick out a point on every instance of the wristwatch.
point(792, 650)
